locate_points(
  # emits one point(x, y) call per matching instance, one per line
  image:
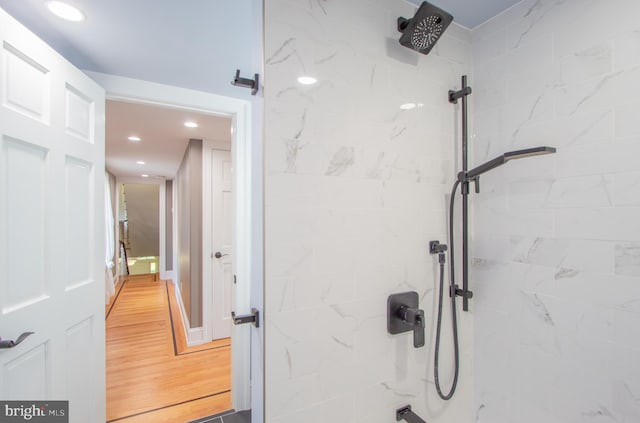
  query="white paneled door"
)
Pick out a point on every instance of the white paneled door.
point(51, 227)
point(222, 227)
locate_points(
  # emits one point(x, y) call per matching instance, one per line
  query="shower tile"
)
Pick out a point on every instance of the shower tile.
point(626, 123)
point(628, 297)
point(593, 95)
point(628, 258)
point(584, 191)
point(496, 248)
point(626, 331)
point(626, 49)
point(568, 286)
point(517, 222)
point(339, 409)
point(291, 395)
point(591, 62)
point(529, 194)
point(576, 254)
point(608, 224)
point(626, 189)
point(488, 47)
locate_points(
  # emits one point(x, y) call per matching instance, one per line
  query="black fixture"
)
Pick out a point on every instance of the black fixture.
point(464, 177)
point(473, 174)
point(421, 32)
point(253, 318)
point(403, 315)
point(254, 83)
point(435, 247)
point(407, 415)
point(464, 292)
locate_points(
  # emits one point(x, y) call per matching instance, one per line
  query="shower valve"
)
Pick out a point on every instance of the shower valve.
point(403, 315)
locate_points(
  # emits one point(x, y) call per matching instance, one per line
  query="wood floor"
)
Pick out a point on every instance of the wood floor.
point(152, 376)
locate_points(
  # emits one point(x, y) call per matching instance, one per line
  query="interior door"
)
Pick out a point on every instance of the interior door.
point(222, 227)
point(51, 226)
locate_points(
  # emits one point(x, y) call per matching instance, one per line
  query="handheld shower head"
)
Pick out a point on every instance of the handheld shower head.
point(421, 32)
point(502, 159)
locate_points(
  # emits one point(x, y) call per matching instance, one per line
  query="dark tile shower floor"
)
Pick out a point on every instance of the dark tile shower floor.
point(229, 417)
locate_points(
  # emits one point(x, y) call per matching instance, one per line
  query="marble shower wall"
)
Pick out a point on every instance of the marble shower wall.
point(354, 190)
point(557, 238)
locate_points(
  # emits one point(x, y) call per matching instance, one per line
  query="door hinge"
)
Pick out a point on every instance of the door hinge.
point(254, 318)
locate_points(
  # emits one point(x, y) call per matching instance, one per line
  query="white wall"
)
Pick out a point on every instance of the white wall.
point(557, 239)
point(354, 190)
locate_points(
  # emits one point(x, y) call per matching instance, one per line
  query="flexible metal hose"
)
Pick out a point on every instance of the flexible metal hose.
point(454, 320)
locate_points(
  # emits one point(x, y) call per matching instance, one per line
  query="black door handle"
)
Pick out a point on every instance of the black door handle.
point(8, 343)
point(218, 254)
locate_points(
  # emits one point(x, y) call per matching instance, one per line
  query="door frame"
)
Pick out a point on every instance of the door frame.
point(145, 92)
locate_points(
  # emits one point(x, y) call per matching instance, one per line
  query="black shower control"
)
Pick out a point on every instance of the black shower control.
point(436, 248)
point(403, 315)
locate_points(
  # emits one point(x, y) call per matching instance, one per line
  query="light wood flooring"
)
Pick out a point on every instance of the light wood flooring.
point(152, 376)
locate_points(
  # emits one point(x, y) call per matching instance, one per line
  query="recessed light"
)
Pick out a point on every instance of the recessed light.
point(408, 106)
point(134, 138)
point(66, 11)
point(140, 162)
point(190, 124)
point(144, 175)
point(307, 80)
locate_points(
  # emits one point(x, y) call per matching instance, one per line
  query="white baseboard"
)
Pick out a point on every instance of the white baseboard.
point(167, 275)
point(195, 336)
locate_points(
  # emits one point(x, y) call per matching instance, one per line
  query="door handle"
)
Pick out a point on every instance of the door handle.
point(8, 343)
point(254, 318)
point(218, 254)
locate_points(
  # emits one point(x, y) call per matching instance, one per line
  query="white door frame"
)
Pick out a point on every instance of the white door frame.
point(133, 90)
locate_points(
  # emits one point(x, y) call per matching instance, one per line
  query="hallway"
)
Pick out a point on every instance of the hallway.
point(151, 374)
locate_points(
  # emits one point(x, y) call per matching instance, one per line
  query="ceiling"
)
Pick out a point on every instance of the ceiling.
point(471, 13)
point(164, 137)
point(196, 44)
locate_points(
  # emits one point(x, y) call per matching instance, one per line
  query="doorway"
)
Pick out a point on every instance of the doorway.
point(190, 275)
point(138, 228)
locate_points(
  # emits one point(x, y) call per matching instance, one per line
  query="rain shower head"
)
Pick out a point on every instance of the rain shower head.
point(421, 32)
point(502, 159)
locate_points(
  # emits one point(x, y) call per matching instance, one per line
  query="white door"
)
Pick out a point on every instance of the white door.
point(222, 236)
point(51, 227)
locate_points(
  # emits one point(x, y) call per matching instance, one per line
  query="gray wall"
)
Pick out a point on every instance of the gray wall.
point(169, 225)
point(143, 214)
point(189, 209)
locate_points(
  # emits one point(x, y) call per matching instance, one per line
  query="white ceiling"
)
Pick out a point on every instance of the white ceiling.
point(471, 13)
point(164, 137)
point(195, 44)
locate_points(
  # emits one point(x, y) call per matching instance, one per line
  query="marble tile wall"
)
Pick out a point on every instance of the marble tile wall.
point(556, 268)
point(355, 188)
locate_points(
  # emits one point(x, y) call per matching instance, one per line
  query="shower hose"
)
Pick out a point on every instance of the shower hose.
point(452, 294)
